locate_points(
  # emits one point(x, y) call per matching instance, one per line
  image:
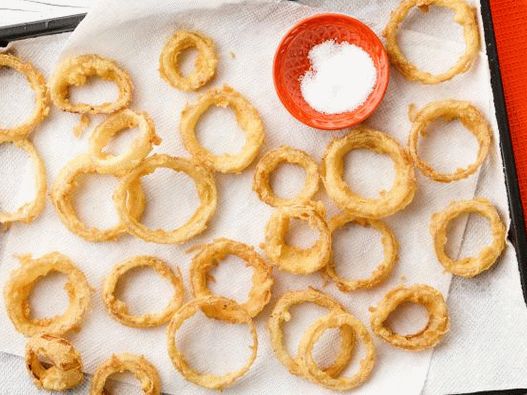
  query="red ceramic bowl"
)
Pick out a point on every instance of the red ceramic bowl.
point(291, 62)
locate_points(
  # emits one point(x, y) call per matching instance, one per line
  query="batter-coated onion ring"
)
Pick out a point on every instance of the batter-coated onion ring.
point(66, 369)
point(119, 310)
point(281, 314)
point(139, 366)
point(270, 161)
point(62, 197)
point(21, 283)
point(389, 202)
point(382, 271)
point(204, 67)
point(465, 15)
point(205, 186)
point(470, 266)
point(28, 211)
point(38, 85)
point(247, 117)
point(449, 110)
point(430, 335)
point(139, 148)
point(222, 309)
point(210, 255)
point(312, 335)
point(76, 71)
point(294, 259)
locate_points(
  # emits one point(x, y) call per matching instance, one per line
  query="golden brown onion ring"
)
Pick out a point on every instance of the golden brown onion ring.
point(430, 335)
point(470, 266)
point(21, 283)
point(247, 117)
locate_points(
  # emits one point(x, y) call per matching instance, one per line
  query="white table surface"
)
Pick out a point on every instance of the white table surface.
point(21, 11)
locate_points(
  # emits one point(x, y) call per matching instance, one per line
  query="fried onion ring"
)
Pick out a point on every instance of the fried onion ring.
point(210, 255)
point(383, 270)
point(247, 117)
point(270, 161)
point(28, 211)
point(449, 110)
point(62, 197)
point(139, 366)
point(222, 309)
point(205, 186)
point(21, 283)
point(294, 259)
point(389, 202)
point(139, 148)
point(38, 85)
point(66, 369)
point(76, 71)
point(465, 15)
point(281, 314)
point(204, 67)
point(313, 334)
point(430, 335)
point(470, 266)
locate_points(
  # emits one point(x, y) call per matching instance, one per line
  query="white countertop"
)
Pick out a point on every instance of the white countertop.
point(20, 11)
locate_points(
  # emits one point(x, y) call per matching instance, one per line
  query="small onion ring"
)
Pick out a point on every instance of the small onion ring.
point(281, 314)
point(294, 259)
point(430, 335)
point(28, 211)
point(22, 281)
point(397, 198)
point(205, 65)
point(119, 310)
point(465, 15)
point(247, 117)
point(383, 270)
point(206, 188)
point(222, 309)
point(139, 148)
point(210, 255)
point(38, 85)
point(66, 369)
point(139, 366)
point(61, 196)
point(76, 71)
point(448, 110)
point(312, 335)
point(470, 266)
point(270, 161)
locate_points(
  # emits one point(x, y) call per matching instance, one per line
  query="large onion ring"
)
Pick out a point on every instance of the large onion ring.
point(270, 161)
point(247, 117)
point(66, 369)
point(139, 366)
point(281, 314)
point(139, 148)
point(448, 110)
point(38, 85)
point(465, 15)
point(210, 255)
point(206, 188)
point(62, 197)
point(29, 211)
point(76, 71)
point(470, 266)
point(312, 335)
point(222, 309)
point(294, 259)
point(383, 270)
point(397, 198)
point(21, 283)
point(204, 67)
point(119, 310)
point(430, 335)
